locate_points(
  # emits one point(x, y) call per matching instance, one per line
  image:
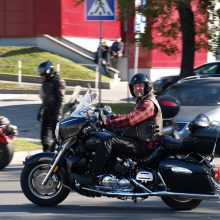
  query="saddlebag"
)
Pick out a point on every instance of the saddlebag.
point(203, 140)
point(186, 176)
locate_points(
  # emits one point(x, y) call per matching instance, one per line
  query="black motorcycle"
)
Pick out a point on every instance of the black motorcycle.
point(182, 178)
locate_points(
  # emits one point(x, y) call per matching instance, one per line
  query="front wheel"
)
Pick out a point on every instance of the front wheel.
point(178, 203)
point(50, 194)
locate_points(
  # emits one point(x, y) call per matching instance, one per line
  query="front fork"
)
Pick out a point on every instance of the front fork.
point(53, 166)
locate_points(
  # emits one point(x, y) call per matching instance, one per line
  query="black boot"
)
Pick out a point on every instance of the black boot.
point(153, 157)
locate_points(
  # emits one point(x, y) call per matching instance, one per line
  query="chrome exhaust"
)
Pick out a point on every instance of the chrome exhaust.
point(159, 194)
point(147, 192)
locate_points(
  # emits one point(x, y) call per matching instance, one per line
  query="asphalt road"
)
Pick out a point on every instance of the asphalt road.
point(15, 206)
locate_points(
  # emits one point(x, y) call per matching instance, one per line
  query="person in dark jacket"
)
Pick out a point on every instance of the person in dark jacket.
point(52, 94)
point(105, 57)
point(116, 51)
point(140, 130)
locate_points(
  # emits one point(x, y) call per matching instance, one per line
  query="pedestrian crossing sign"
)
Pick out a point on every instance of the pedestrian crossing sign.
point(100, 10)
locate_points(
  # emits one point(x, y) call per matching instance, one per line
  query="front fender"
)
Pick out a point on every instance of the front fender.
point(39, 157)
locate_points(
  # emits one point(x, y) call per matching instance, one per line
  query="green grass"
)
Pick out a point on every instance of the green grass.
point(23, 145)
point(32, 56)
point(121, 108)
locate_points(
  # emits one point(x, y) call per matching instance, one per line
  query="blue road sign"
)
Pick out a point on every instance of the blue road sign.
point(100, 10)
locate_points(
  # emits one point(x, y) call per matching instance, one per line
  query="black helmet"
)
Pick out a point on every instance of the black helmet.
point(46, 68)
point(141, 78)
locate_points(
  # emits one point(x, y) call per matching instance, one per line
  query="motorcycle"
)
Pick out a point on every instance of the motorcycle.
point(182, 178)
point(7, 134)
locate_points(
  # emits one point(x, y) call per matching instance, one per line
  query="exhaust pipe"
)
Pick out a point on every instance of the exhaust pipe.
point(147, 192)
point(159, 194)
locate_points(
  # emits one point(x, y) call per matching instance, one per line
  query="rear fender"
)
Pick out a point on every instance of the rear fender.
point(39, 157)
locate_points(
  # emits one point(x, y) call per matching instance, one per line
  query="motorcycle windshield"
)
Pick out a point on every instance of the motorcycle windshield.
point(85, 103)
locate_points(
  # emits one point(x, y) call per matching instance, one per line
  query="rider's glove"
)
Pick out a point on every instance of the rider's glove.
point(103, 117)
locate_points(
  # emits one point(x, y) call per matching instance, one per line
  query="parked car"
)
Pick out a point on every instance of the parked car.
point(208, 69)
point(196, 96)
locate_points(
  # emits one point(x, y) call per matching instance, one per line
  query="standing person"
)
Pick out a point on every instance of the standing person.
point(52, 94)
point(140, 130)
point(116, 50)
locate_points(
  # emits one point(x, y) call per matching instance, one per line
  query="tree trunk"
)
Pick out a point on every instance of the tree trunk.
point(188, 38)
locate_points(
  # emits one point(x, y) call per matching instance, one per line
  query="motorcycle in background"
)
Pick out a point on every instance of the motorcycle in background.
point(74, 100)
point(7, 134)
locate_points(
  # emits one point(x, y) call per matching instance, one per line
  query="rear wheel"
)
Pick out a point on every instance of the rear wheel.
point(178, 203)
point(50, 194)
point(6, 154)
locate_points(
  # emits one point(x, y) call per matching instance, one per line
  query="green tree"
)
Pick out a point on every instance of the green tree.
point(197, 24)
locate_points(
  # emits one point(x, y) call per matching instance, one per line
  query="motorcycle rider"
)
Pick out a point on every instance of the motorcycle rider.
point(140, 130)
point(52, 94)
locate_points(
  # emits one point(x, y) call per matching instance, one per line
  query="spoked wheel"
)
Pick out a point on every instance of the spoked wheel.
point(50, 194)
point(178, 203)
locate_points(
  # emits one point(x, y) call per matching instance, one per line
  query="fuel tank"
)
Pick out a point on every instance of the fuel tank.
point(96, 137)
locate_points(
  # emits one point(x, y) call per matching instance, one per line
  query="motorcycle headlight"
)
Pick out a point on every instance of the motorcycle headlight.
point(69, 127)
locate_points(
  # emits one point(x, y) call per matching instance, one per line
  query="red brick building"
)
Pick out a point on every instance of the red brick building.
point(32, 18)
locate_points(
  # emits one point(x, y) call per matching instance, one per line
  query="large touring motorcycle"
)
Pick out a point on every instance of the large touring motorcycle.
point(182, 178)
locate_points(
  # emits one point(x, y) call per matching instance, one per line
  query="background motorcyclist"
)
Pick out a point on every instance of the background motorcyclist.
point(52, 94)
point(140, 130)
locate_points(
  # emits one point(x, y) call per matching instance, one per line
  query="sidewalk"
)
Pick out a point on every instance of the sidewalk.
point(20, 156)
